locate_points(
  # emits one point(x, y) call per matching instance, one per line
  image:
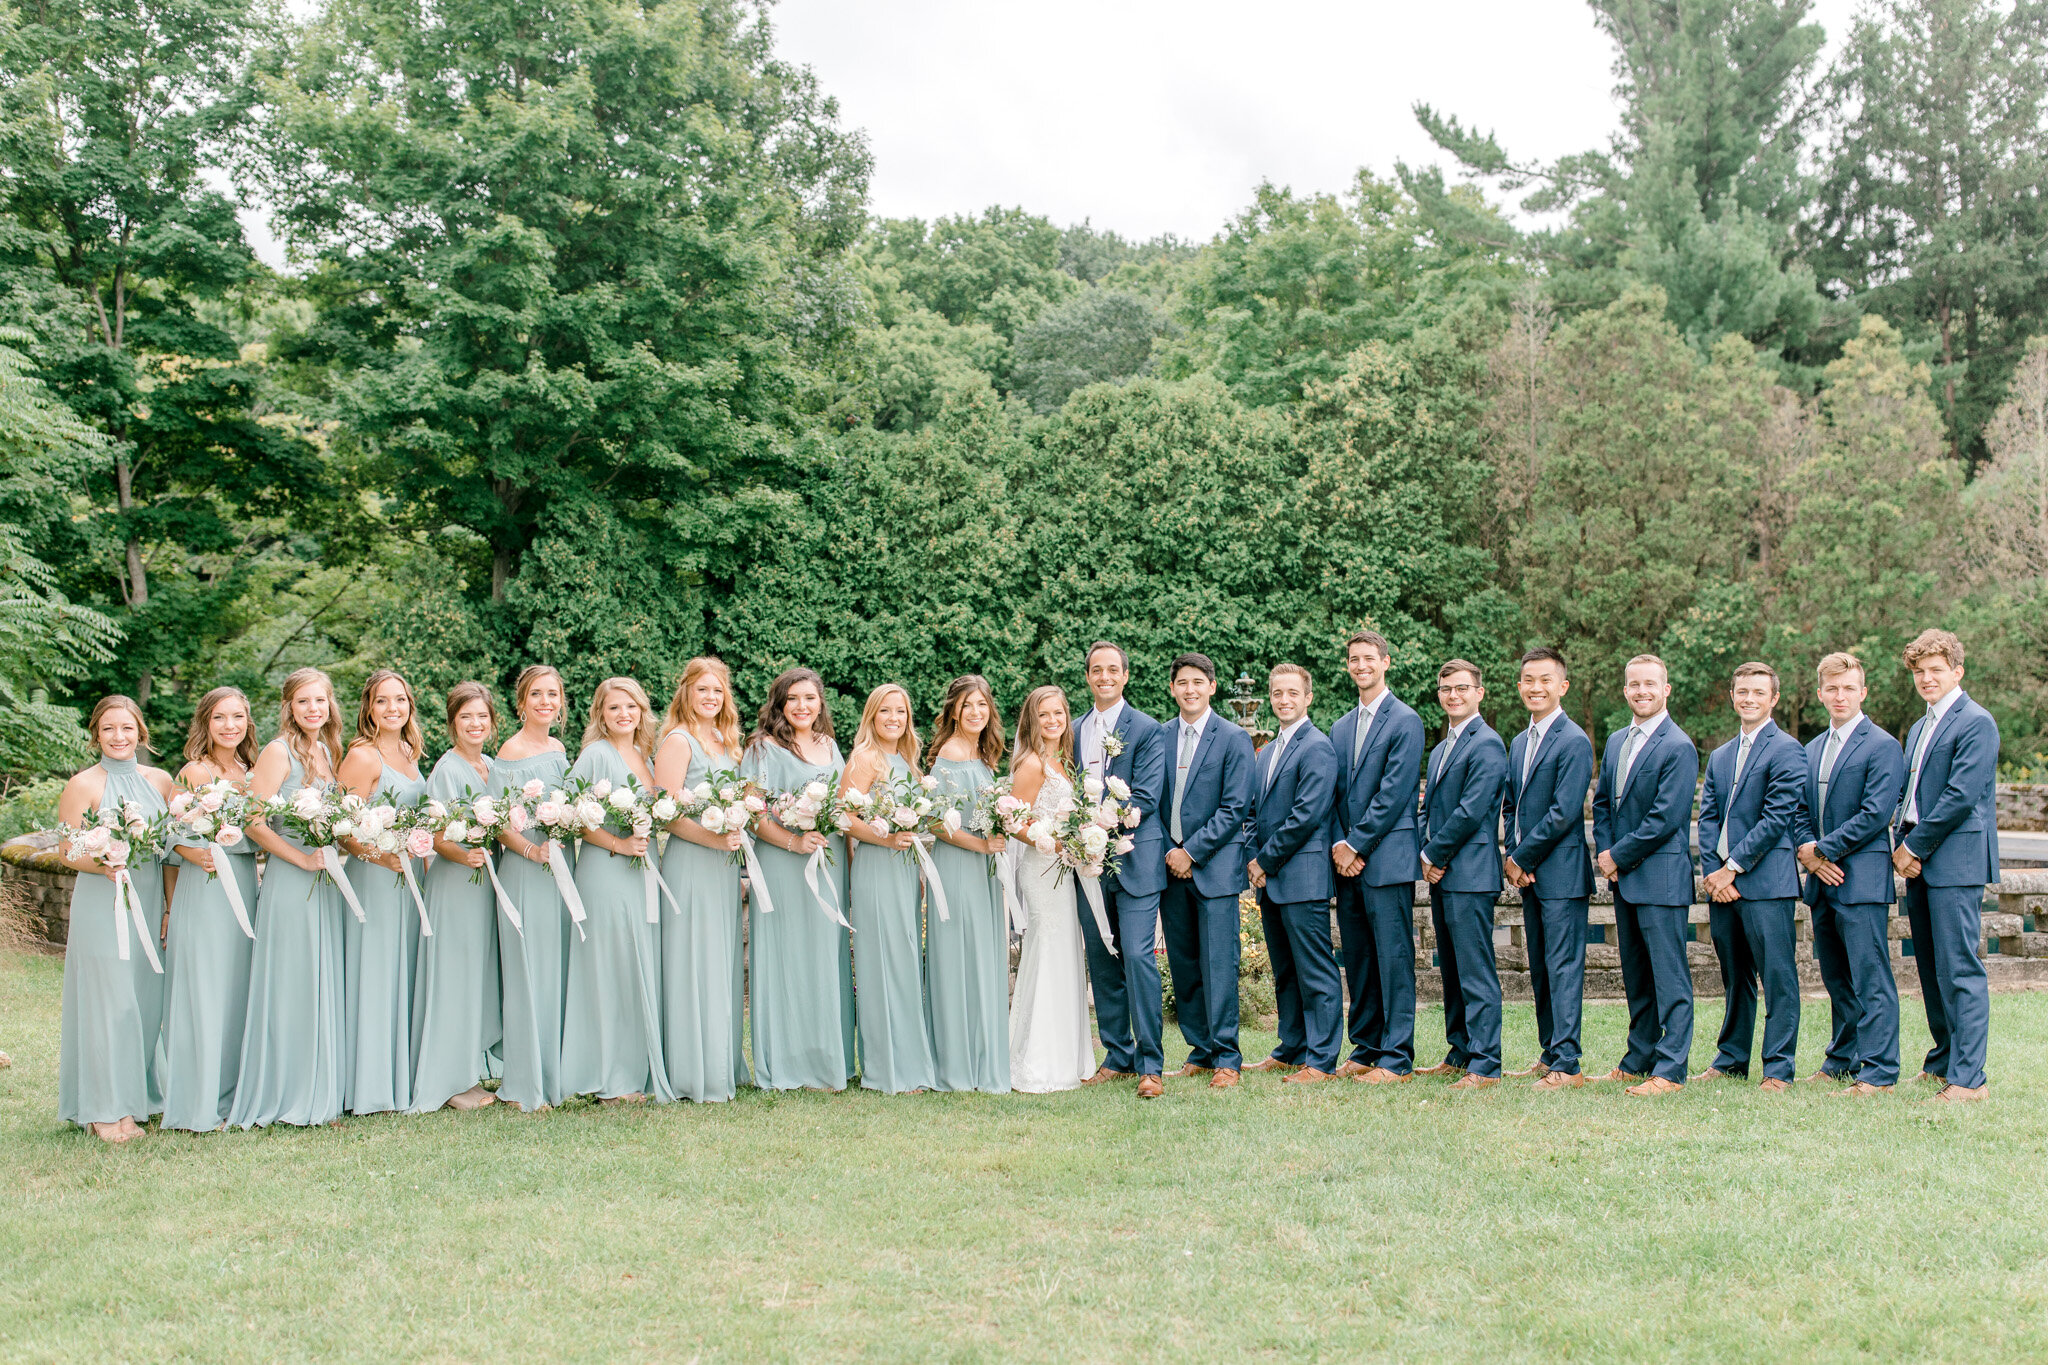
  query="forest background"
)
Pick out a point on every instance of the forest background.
point(592, 353)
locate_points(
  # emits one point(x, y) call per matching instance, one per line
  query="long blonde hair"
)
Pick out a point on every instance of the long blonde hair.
point(726, 722)
point(295, 738)
point(530, 675)
point(118, 702)
point(865, 739)
point(643, 733)
point(1029, 738)
point(199, 735)
point(411, 736)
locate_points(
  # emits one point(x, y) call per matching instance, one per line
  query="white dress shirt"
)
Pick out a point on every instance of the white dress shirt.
point(1097, 726)
point(1747, 739)
point(1271, 762)
point(1538, 731)
point(1648, 728)
point(1934, 714)
point(1367, 714)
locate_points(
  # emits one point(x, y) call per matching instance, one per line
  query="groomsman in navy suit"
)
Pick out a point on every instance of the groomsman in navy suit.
point(1550, 770)
point(1855, 776)
point(1750, 809)
point(1293, 785)
point(1468, 774)
point(1378, 746)
point(1115, 739)
point(1642, 825)
point(1209, 795)
point(1947, 850)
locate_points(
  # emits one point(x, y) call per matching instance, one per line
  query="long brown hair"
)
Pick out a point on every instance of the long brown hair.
point(1029, 740)
point(461, 695)
point(523, 684)
point(118, 702)
point(772, 724)
point(643, 733)
point(866, 738)
point(412, 737)
point(989, 748)
point(199, 734)
point(296, 739)
point(726, 722)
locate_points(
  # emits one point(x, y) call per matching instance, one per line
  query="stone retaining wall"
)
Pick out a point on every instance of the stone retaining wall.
point(2023, 805)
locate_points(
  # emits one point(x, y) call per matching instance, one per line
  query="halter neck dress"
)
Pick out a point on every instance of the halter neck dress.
point(108, 1055)
point(206, 988)
point(533, 968)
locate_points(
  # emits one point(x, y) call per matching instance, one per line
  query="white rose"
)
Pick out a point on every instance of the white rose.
point(344, 829)
point(436, 811)
point(1094, 841)
point(665, 810)
point(621, 799)
point(589, 813)
point(202, 826)
point(455, 831)
point(485, 810)
point(905, 817)
point(736, 816)
point(951, 820)
point(816, 791)
point(713, 819)
point(1091, 786)
point(1119, 788)
point(602, 789)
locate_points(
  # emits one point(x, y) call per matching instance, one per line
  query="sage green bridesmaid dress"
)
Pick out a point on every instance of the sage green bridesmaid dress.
point(967, 956)
point(108, 1055)
point(703, 1014)
point(888, 939)
point(295, 1043)
point(206, 989)
point(456, 1014)
point(802, 968)
point(611, 1026)
point(379, 957)
point(533, 967)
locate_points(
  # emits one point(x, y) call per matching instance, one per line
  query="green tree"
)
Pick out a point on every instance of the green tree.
point(1100, 336)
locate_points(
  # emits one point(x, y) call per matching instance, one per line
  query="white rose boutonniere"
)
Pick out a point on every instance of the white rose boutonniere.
point(1113, 744)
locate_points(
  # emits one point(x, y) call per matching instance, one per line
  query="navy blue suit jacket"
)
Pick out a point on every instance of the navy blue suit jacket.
point(1142, 765)
point(1956, 838)
point(1461, 809)
point(1854, 832)
point(1375, 798)
point(1291, 818)
point(1553, 808)
point(1216, 804)
point(1648, 828)
point(1764, 812)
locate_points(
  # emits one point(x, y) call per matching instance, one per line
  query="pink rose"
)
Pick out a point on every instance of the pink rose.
point(419, 843)
point(517, 818)
point(533, 789)
point(1131, 817)
point(228, 836)
point(1126, 844)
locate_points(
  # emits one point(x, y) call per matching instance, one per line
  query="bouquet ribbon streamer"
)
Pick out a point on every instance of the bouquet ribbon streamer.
point(757, 883)
point(331, 860)
point(566, 884)
point(224, 870)
point(128, 905)
point(504, 901)
point(656, 888)
point(412, 885)
point(813, 867)
point(1006, 877)
point(933, 887)
point(1091, 888)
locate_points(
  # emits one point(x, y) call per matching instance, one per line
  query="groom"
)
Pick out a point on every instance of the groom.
point(1115, 739)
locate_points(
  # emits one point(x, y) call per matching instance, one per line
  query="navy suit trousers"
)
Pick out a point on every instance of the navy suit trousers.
point(1658, 982)
point(1304, 982)
point(1129, 1014)
point(1850, 943)
point(1202, 950)
point(1376, 929)
point(1945, 923)
point(1464, 954)
point(1754, 941)
point(1555, 931)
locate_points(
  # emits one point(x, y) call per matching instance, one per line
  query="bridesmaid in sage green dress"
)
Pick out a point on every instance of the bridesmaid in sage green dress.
point(379, 954)
point(533, 966)
point(295, 1044)
point(702, 986)
point(113, 1010)
point(884, 887)
point(802, 967)
point(611, 1028)
point(456, 1016)
point(206, 960)
point(967, 956)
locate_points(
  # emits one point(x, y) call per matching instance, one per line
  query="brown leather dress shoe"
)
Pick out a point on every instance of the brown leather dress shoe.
point(1150, 1087)
point(1715, 1073)
point(1960, 1094)
point(1308, 1075)
point(1619, 1075)
point(1822, 1075)
point(1773, 1084)
point(1561, 1080)
point(1534, 1069)
point(1864, 1089)
point(1654, 1086)
point(1223, 1079)
point(1190, 1069)
point(1440, 1069)
point(1271, 1064)
point(1472, 1081)
point(1379, 1075)
point(1351, 1068)
point(1103, 1075)
point(1930, 1076)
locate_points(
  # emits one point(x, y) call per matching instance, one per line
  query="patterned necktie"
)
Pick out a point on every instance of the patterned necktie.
point(1180, 773)
point(1741, 758)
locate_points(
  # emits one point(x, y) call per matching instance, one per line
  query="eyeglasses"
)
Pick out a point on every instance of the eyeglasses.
point(1456, 689)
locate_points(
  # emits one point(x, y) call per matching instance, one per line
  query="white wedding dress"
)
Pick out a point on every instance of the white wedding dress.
point(1051, 1046)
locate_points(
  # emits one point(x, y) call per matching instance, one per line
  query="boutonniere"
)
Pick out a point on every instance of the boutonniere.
point(1113, 744)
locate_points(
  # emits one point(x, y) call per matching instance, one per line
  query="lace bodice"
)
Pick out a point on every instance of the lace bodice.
point(1056, 792)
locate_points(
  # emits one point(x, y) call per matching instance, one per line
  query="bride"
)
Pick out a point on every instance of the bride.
point(1050, 1043)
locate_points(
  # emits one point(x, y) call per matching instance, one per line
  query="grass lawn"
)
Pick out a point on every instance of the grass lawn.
point(1339, 1221)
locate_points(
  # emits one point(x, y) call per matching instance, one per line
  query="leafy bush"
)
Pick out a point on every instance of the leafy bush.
point(30, 807)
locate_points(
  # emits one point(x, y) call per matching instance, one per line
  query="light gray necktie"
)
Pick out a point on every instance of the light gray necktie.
point(1279, 748)
point(1180, 773)
point(1358, 740)
point(1741, 758)
point(1629, 742)
point(1443, 757)
point(1528, 766)
point(1913, 778)
point(1829, 752)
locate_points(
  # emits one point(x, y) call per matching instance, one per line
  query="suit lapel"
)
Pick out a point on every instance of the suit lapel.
point(1203, 745)
point(1374, 737)
point(1756, 751)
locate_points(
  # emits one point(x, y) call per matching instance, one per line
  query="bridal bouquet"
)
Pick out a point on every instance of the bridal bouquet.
point(215, 813)
point(1088, 835)
point(114, 839)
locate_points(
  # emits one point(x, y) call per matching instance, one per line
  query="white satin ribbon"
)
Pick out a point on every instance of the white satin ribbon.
point(757, 883)
point(504, 901)
point(813, 866)
point(225, 870)
point(656, 888)
point(127, 904)
point(331, 860)
point(405, 866)
point(932, 886)
point(1091, 889)
point(566, 884)
point(1006, 877)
